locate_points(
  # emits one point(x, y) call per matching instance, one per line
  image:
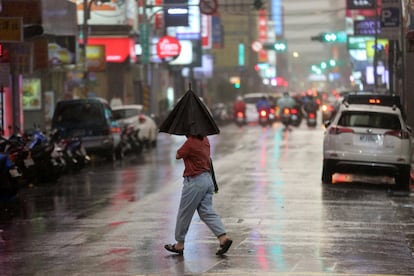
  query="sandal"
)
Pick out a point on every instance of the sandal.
point(171, 248)
point(224, 247)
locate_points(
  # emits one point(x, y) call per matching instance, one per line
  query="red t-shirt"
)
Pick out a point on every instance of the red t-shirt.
point(196, 155)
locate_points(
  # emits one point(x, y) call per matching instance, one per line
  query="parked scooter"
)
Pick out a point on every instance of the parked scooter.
point(47, 156)
point(9, 178)
point(130, 142)
point(72, 149)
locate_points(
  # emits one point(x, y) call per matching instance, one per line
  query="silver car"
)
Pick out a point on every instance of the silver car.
point(368, 136)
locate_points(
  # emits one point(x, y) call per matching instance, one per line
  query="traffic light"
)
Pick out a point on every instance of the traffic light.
point(237, 83)
point(258, 4)
point(279, 46)
point(331, 37)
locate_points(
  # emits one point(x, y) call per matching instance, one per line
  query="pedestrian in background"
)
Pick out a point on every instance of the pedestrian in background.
point(197, 194)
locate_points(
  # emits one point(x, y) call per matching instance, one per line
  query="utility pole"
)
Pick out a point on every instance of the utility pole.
point(85, 34)
point(376, 47)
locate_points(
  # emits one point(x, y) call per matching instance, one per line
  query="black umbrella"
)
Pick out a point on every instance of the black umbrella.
point(190, 116)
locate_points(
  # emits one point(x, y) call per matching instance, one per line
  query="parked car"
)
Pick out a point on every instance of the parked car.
point(369, 135)
point(91, 120)
point(132, 115)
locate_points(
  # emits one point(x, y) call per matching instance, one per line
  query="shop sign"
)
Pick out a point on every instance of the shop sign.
point(11, 29)
point(358, 42)
point(367, 27)
point(95, 58)
point(360, 4)
point(117, 49)
point(168, 46)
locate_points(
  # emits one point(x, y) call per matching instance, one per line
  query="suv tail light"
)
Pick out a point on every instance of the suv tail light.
point(402, 134)
point(115, 130)
point(338, 130)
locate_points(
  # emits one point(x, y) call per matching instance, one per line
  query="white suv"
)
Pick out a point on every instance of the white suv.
point(368, 135)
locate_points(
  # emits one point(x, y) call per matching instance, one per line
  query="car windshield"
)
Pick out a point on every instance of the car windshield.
point(86, 113)
point(124, 113)
point(370, 120)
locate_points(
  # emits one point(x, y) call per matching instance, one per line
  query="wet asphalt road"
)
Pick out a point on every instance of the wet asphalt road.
point(114, 219)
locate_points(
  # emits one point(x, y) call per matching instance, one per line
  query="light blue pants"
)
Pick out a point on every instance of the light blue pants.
point(197, 194)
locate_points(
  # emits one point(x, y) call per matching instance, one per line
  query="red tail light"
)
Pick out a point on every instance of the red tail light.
point(340, 130)
point(272, 110)
point(286, 111)
point(115, 130)
point(240, 115)
point(263, 113)
point(294, 111)
point(398, 133)
point(312, 115)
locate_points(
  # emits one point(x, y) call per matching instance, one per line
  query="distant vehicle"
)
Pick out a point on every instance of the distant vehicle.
point(132, 115)
point(91, 120)
point(252, 115)
point(368, 135)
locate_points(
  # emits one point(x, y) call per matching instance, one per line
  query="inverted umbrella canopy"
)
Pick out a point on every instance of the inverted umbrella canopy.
point(190, 116)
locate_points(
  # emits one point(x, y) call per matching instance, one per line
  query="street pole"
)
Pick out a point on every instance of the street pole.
point(376, 47)
point(85, 34)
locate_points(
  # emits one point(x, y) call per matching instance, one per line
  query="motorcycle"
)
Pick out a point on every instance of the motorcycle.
point(311, 119)
point(240, 119)
point(17, 149)
point(295, 117)
point(285, 118)
point(47, 156)
point(130, 142)
point(263, 117)
point(9, 178)
point(73, 151)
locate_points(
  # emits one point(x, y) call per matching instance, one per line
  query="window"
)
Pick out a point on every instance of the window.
point(370, 120)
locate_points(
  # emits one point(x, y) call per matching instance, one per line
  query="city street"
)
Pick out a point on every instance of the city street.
point(114, 219)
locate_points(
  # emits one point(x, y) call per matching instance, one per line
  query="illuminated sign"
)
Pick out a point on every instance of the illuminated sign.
point(360, 4)
point(176, 15)
point(168, 46)
point(367, 27)
point(117, 49)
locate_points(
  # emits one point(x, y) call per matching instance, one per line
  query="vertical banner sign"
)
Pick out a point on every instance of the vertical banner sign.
point(262, 34)
point(391, 19)
point(241, 53)
point(144, 41)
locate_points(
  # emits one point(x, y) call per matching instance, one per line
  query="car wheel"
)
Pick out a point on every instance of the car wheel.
point(327, 173)
point(402, 179)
